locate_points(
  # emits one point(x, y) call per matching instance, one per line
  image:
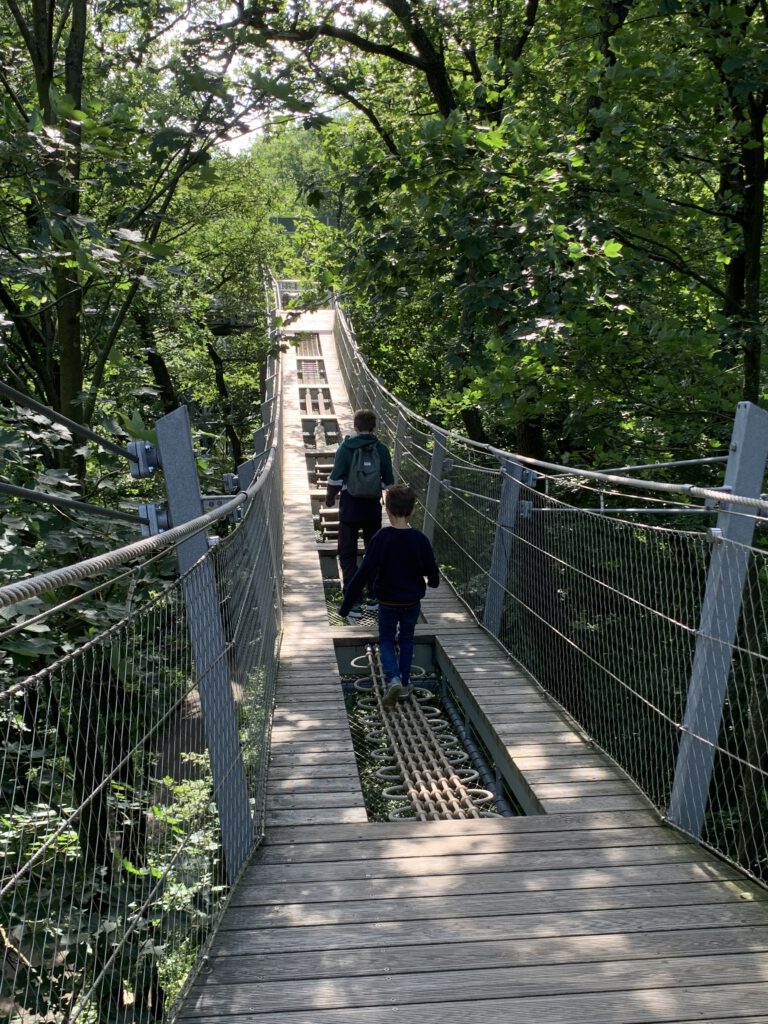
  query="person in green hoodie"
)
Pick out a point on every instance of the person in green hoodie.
point(361, 470)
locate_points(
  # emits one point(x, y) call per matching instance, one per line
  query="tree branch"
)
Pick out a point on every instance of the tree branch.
point(338, 89)
point(14, 98)
point(255, 19)
point(23, 27)
point(670, 258)
point(531, 10)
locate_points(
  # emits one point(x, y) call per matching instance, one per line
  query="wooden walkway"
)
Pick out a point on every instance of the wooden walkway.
point(589, 909)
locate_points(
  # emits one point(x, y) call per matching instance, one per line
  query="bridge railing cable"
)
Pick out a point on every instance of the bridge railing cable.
point(134, 771)
point(652, 638)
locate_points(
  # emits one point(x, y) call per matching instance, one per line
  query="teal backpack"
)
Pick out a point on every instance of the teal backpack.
point(364, 477)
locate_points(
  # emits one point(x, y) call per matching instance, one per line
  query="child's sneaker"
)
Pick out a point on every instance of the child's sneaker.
point(355, 614)
point(393, 694)
point(370, 604)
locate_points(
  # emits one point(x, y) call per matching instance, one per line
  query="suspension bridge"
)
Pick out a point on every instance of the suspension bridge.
point(208, 815)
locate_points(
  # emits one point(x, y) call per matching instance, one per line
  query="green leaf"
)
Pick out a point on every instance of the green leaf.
point(612, 249)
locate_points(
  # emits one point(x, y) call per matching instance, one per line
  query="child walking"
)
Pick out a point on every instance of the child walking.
point(396, 562)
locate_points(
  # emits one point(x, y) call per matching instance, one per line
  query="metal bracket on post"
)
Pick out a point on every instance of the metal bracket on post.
point(720, 613)
point(433, 488)
point(208, 642)
point(512, 474)
point(147, 460)
point(154, 519)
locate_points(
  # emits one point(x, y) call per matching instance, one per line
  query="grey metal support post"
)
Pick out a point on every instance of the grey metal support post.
point(512, 474)
point(270, 389)
point(246, 471)
point(397, 454)
point(433, 487)
point(208, 642)
point(376, 406)
point(720, 613)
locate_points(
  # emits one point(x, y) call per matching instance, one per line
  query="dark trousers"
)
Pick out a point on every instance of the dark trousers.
point(397, 625)
point(347, 547)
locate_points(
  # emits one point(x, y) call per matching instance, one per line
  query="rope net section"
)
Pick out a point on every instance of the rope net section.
point(608, 613)
point(425, 773)
point(134, 780)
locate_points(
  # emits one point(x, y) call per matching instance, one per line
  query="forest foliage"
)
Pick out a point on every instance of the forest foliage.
point(546, 219)
point(550, 215)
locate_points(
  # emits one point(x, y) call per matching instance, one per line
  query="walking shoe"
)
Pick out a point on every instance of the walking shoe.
point(355, 614)
point(370, 604)
point(394, 692)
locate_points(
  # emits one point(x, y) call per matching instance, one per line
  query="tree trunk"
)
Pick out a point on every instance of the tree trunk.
point(221, 387)
point(530, 439)
point(753, 220)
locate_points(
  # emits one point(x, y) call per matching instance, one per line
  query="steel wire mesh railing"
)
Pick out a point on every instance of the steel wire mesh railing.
point(618, 619)
point(120, 798)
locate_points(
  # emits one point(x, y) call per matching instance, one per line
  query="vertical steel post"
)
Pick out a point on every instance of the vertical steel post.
point(433, 487)
point(512, 474)
point(209, 647)
point(270, 389)
point(397, 454)
point(720, 613)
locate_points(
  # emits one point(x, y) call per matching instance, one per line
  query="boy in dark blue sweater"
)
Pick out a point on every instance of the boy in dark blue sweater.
point(396, 561)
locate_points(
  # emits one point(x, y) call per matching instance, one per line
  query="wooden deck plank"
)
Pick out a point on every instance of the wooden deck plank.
point(315, 797)
point(451, 864)
point(477, 883)
point(298, 769)
point(460, 956)
point(518, 983)
point(295, 785)
point(532, 843)
point(413, 908)
point(468, 830)
point(647, 1006)
point(318, 816)
point(471, 928)
point(310, 746)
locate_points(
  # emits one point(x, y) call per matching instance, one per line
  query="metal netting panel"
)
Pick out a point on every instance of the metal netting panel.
point(111, 835)
point(736, 821)
point(603, 614)
point(115, 865)
point(466, 517)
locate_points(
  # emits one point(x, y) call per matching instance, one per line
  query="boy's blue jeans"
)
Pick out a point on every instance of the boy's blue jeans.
point(390, 617)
